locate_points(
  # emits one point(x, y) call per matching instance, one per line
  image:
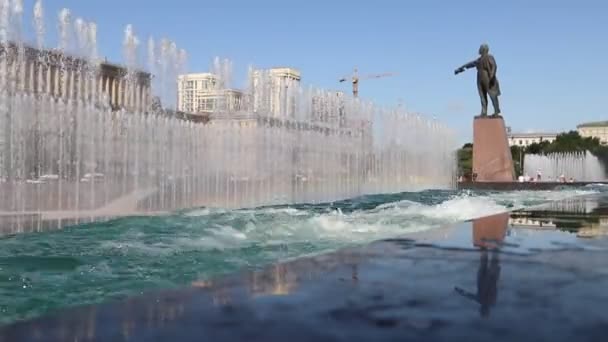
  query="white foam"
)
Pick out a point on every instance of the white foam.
point(203, 212)
point(275, 211)
point(235, 229)
point(460, 209)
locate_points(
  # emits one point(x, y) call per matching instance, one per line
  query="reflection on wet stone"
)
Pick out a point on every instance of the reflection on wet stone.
point(488, 235)
point(487, 281)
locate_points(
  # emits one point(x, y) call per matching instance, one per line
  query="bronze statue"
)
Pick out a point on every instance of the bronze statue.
point(487, 83)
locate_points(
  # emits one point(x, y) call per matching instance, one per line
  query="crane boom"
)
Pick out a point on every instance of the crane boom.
point(367, 77)
point(356, 78)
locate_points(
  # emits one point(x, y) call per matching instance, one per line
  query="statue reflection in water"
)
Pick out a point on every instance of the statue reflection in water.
point(488, 235)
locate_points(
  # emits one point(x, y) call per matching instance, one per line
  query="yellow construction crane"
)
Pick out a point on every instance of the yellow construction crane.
point(355, 78)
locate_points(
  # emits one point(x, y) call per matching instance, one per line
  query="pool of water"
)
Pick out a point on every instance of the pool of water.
point(43, 272)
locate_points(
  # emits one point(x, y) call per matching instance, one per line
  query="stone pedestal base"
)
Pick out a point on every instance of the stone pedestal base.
point(492, 160)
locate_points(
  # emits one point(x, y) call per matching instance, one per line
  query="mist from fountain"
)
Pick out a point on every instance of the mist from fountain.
point(69, 154)
point(580, 166)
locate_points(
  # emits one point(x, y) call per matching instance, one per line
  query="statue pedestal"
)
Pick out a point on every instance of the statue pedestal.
point(492, 161)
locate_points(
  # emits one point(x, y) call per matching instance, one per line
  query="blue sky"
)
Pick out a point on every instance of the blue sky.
point(552, 55)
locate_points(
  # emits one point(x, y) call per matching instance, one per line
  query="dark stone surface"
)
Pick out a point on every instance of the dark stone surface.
point(524, 276)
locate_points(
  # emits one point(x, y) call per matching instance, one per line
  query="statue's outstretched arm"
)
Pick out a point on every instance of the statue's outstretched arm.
point(466, 66)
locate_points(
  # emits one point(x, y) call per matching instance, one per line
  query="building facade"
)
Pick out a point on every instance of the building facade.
point(67, 77)
point(273, 90)
point(527, 139)
point(597, 129)
point(202, 93)
point(283, 80)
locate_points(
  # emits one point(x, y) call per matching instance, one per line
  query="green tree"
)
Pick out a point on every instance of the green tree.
point(465, 160)
point(517, 154)
point(572, 142)
point(537, 148)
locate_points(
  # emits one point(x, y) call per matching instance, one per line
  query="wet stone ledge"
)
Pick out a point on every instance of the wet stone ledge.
point(524, 276)
point(515, 186)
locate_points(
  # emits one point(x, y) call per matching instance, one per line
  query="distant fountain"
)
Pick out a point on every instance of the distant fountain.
point(81, 139)
point(580, 166)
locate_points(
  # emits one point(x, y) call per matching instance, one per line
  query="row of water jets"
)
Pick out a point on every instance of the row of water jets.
point(567, 166)
point(66, 155)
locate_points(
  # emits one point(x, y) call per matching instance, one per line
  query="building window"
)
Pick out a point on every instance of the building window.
point(520, 142)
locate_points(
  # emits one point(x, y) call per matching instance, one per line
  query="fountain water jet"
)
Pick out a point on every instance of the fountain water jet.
point(580, 166)
point(83, 140)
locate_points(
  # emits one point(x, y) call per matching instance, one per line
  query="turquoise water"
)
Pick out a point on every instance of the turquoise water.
point(43, 272)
